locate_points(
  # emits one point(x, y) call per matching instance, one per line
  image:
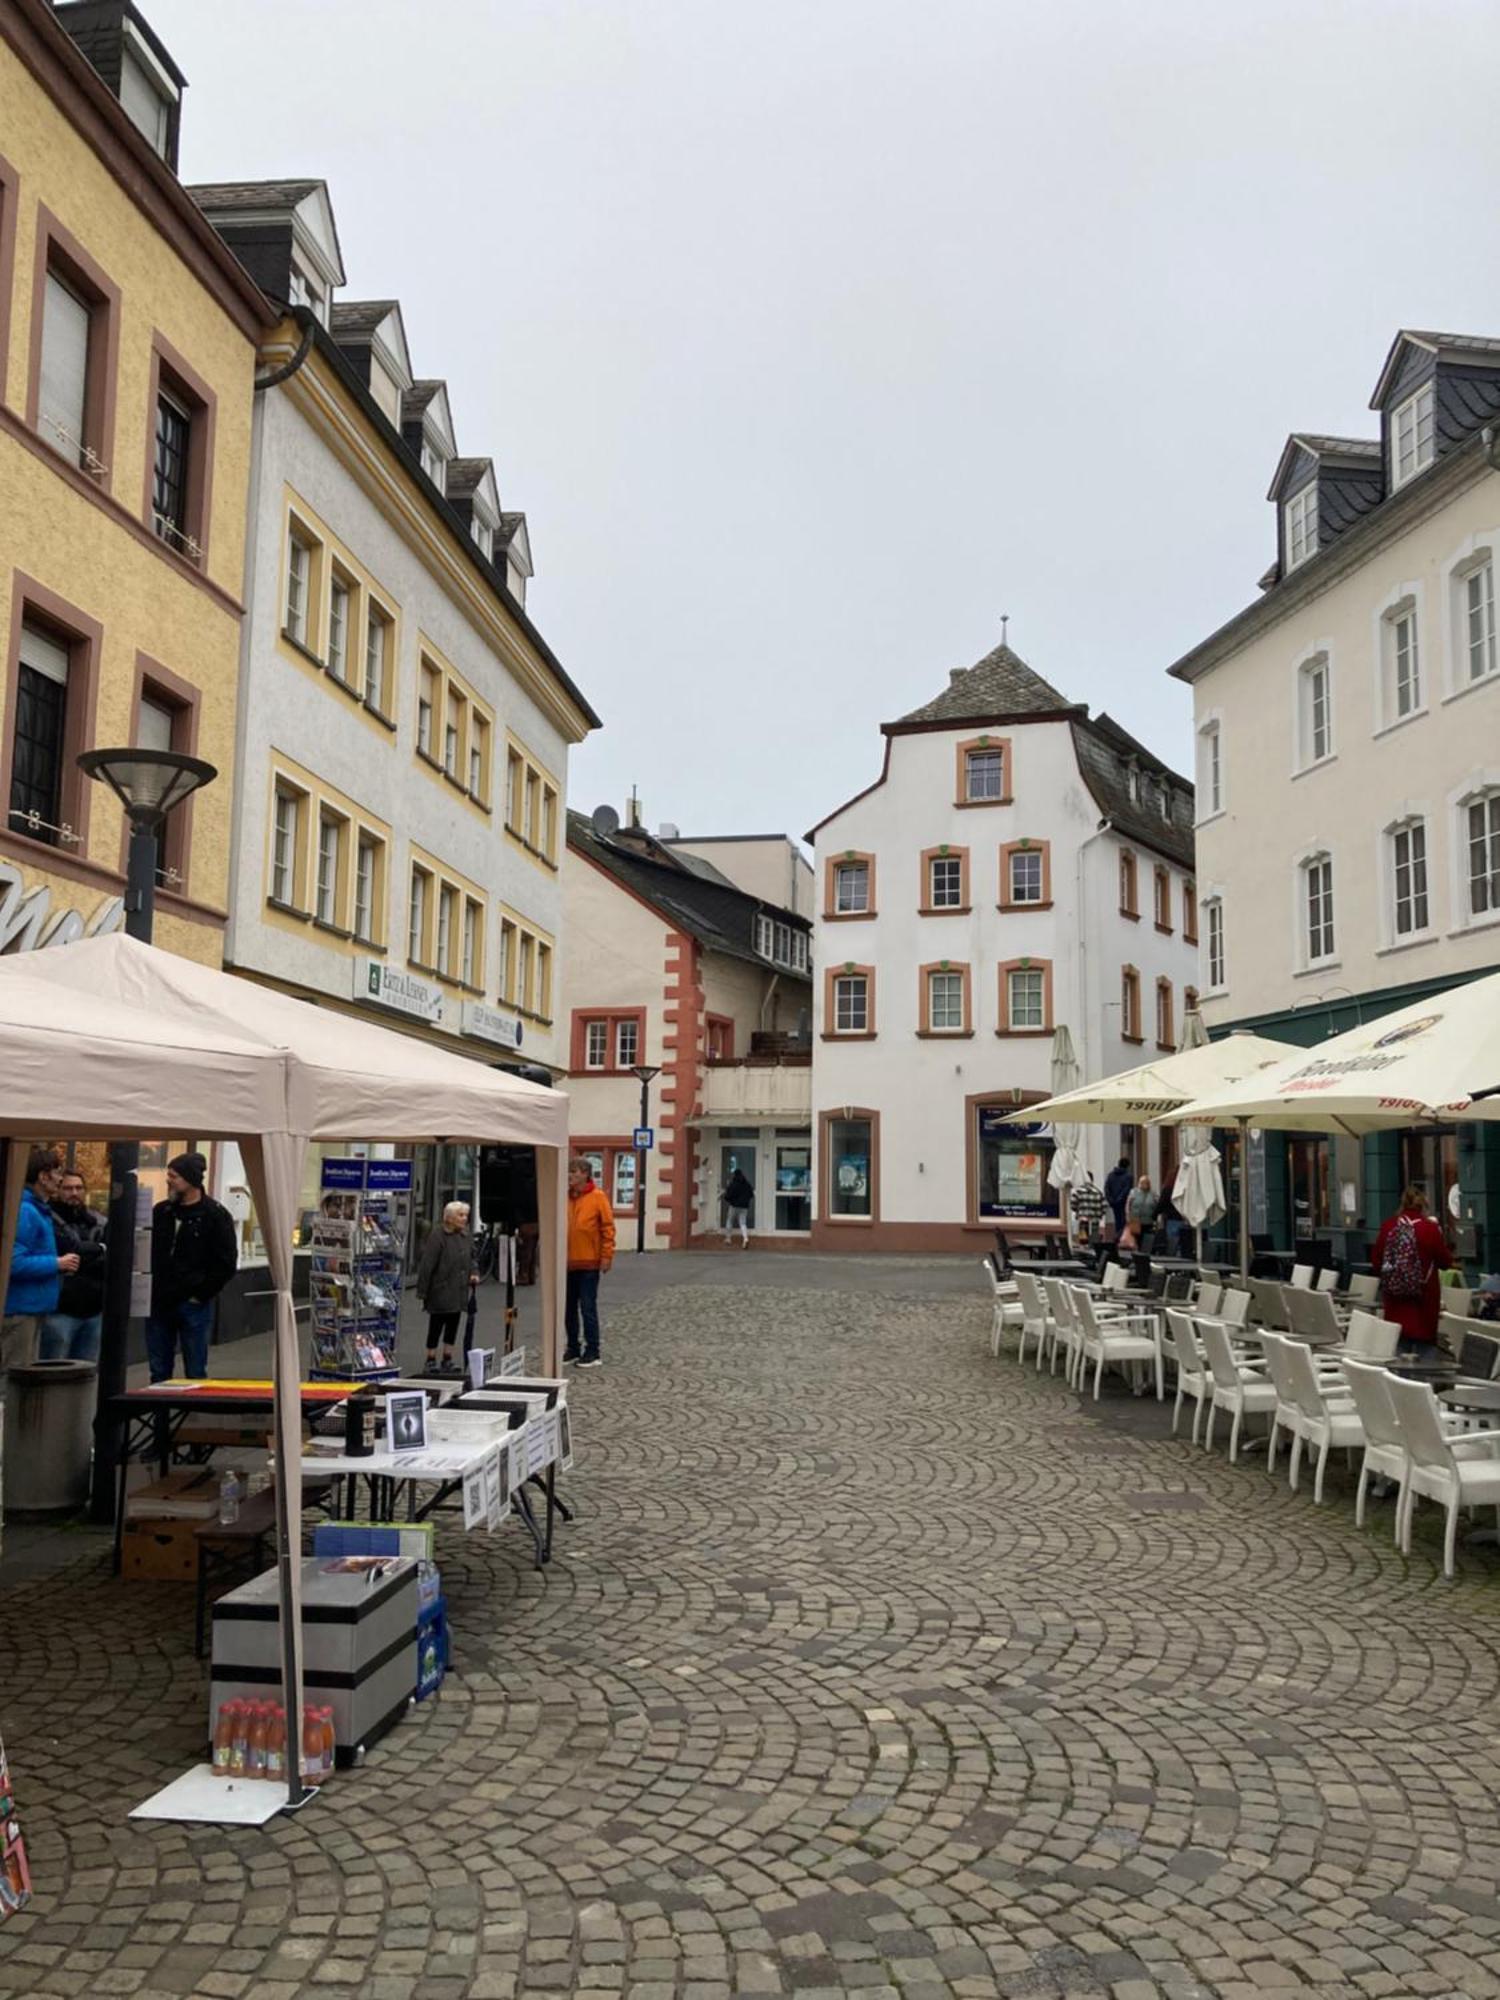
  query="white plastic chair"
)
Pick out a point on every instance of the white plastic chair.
point(1328, 1419)
point(1313, 1318)
point(1459, 1472)
point(1240, 1387)
point(1126, 1337)
point(1234, 1306)
point(1116, 1278)
point(1193, 1378)
point(1006, 1305)
point(1302, 1277)
point(1456, 1299)
point(1034, 1314)
point(1205, 1295)
point(1266, 1302)
point(1364, 1288)
point(1328, 1279)
point(1371, 1338)
point(1286, 1412)
point(1066, 1333)
point(1385, 1449)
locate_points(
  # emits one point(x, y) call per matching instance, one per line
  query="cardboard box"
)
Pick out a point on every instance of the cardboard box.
point(181, 1496)
point(157, 1551)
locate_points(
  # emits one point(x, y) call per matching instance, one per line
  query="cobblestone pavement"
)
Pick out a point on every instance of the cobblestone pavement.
point(871, 1666)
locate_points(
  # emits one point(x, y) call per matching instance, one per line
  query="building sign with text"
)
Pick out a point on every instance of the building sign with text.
point(488, 1024)
point(403, 992)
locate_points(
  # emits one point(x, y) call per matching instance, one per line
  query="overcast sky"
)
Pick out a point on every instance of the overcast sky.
point(814, 335)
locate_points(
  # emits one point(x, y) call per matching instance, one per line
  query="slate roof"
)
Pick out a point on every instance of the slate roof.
point(466, 474)
point(1105, 752)
point(508, 526)
point(357, 319)
point(1338, 447)
point(252, 195)
point(721, 917)
point(415, 399)
point(998, 685)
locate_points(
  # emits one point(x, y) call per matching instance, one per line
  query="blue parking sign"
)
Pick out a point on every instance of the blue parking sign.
point(645, 1138)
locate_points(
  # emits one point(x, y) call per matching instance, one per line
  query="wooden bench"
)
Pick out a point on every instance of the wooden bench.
point(225, 1548)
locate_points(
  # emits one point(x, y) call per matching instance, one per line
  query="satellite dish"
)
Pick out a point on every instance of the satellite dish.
point(605, 821)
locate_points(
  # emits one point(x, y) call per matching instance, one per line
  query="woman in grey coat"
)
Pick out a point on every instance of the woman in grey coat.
point(445, 1277)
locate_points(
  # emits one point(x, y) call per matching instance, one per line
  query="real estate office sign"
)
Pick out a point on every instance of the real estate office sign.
point(403, 992)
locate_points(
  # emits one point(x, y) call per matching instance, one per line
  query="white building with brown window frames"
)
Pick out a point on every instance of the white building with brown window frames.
point(404, 728)
point(674, 964)
point(1016, 865)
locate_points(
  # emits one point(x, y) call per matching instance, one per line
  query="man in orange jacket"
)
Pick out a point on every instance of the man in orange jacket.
point(591, 1251)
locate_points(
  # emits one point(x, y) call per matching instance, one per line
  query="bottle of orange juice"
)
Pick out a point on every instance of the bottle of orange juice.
point(255, 1742)
point(276, 1745)
point(224, 1738)
point(312, 1746)
point(328, 1742)
point(240, 1749)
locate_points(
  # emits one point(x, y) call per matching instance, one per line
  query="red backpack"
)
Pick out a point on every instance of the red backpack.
point(1403, 1275)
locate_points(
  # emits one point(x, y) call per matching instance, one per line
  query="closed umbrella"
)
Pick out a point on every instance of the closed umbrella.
point(1067, 1169)
point(1198, 1191)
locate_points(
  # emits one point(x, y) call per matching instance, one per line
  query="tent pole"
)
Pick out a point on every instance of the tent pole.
point(1244, 1125)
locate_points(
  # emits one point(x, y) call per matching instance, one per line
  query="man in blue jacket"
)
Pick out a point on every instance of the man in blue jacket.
point(36, 1269)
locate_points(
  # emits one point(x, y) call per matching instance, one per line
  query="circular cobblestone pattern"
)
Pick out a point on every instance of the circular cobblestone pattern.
point(871, 1665)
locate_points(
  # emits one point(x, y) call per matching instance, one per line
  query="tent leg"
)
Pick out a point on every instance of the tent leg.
point(1244, 1125)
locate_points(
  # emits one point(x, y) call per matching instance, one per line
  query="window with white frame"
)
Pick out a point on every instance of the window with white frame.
point(1402, 662)
point(622, 1193)
point(1477, 622)
point(1025, 997)
point(945, 882)
point(284, 833)
point(298, 576)
point(984, 773)
point(1315, 710)
point(596, 1045)
point(1210, 772)
point(945, 1002)
point(469, 962)
point(427, 693)
point(330, 867)
point(1300, 515)
point(507, 957)
point(338, 629)
point(851, 888)
point(1482, 854)
point(525, 961)
point(366, 873)
point(446, 909)
point(1412, 437)
point(1317, 905)
point(851, 1003)
point(1408, 852)
point(1213, 928)
point(62, 393)
point(377, 627)
point(627, 1044)
point(1026, 877)
point(416, 915)
point(1164, 1014)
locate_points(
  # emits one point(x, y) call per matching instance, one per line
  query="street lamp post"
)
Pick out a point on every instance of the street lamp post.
point(644, 1072)
point(148, 784)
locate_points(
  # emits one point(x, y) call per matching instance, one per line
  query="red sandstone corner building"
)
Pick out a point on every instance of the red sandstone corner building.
point(671, 962)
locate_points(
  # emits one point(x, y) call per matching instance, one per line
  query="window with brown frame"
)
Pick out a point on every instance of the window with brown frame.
point(1026, 875)
point(849, 886)
point(1025, 997)
point(1130, 1004)
point(166, 718)
point(718, 1030)
point(49, 717)
point(74, 354)
point(179, 473)
point(849, 1002)
point(1129, 885)
point(10, 188)
point(607, 1043)
point(1189, 912)
point(943, 999)
point(983, 776)
point(1164, 1027)
point(1162, 891)
point(945, 882)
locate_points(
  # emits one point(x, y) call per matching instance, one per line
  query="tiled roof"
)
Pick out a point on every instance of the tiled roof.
point(1000, 684)
point(1338, 447)
point(720, 916)
point(465, 474)
point(1105, 753)
point(415, 399)
point(352, 319)
point(508, 526)
point(251, 195)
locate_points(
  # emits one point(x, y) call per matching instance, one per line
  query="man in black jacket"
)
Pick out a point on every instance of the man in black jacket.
point(72, 1332)
point(194, 1252)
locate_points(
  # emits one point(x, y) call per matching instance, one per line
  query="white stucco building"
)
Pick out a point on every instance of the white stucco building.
point(1016, 865)
point(671, 965)
point(403, 727)
point(1348, 732)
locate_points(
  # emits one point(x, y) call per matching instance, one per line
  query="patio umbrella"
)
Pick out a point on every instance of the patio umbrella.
point(1162, 1085)
point(1067, 1169)
point(1198, 1190)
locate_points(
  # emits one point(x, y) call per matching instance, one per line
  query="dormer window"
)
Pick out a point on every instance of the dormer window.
point(303, 290)
point(434, 464)
point(484, 537)
point(1412, 445)
point(147, 106)
point(1300, 516)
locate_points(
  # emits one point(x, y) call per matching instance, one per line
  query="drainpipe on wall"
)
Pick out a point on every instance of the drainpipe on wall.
point(770, 995)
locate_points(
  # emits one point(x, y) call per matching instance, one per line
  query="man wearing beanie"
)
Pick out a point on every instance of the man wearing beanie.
point(193, 1256)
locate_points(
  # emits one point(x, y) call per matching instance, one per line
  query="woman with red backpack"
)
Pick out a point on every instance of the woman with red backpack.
point(1409, 1252)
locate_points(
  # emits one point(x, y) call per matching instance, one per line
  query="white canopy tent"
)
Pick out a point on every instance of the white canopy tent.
point(109, 1038)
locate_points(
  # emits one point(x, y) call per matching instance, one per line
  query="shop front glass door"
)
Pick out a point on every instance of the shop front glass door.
point(741, 1156)
point(1308, 1174)
point(793, 1185)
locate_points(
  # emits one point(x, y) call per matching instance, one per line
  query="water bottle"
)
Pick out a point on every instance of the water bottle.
point(229, 1498)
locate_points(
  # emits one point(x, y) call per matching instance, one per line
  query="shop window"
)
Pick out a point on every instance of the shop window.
point(622, 1191)
point(850, 1166)
point(1009, 1164)
point(1026, 875)
point(1130, 1004)
point(1308, 1172)
point(1025, 997)
point(1130, 904)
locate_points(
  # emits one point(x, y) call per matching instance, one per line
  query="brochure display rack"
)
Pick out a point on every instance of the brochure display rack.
point(358, 1255)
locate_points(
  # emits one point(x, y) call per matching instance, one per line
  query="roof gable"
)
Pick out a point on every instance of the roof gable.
point(1305, 453)
point(426, 403)
point(997, 687)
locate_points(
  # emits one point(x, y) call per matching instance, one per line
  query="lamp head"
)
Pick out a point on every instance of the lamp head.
point(148, 783)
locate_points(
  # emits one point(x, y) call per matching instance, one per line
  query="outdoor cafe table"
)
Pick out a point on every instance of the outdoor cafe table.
point(152, 1416)
point(1473, 1398)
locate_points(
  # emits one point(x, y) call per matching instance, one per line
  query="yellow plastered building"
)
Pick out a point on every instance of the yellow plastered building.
point(128, 339)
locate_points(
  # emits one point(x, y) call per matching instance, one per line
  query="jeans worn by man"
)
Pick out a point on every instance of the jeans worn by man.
point(69, 1336)
point(187, 1324)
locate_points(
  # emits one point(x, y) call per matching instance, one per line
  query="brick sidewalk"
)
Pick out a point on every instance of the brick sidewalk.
point(870, 1666)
